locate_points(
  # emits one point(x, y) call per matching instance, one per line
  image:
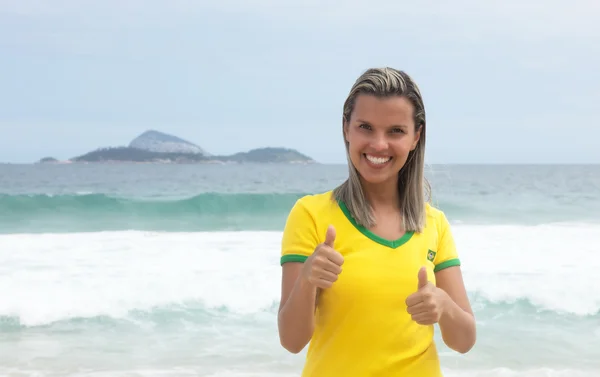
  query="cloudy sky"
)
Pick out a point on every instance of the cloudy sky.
point(504, 82)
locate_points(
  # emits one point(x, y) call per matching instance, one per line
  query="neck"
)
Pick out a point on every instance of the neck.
point(383, 195)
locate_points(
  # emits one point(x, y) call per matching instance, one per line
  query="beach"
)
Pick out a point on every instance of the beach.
point(173, 270)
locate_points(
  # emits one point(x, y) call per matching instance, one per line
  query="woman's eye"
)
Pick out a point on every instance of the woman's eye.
point(365, 126)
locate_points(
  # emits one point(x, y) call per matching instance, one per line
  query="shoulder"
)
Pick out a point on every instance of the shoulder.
point(304, 228)
point(433, 211)
point(442, 248)
point(310, 212)
point(312, 204)
point(435, 217)
point(436, 223)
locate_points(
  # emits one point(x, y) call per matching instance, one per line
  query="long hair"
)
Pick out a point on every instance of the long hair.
point(412, 185)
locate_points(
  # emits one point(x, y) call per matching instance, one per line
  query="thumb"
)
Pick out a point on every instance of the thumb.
point(330, 236)
point(422, 277)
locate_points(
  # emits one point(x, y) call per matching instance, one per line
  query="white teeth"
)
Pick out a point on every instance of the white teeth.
point(378, 160)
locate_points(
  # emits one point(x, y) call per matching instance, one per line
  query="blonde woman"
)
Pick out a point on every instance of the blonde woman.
point(369, 267)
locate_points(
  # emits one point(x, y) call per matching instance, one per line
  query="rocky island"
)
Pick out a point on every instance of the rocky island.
point(49, 160)
point(158, 147)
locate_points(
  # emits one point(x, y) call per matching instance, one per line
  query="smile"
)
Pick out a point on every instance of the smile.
point(377, 160)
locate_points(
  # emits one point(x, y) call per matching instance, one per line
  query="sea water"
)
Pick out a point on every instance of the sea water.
point(173, 270)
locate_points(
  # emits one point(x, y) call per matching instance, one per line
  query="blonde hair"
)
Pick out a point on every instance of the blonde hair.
point(412, 185)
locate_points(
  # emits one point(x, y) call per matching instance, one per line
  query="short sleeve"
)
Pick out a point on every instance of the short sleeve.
point(446, 255)
point(300, 237)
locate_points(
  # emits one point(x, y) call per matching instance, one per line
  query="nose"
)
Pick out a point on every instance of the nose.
point(379, 142)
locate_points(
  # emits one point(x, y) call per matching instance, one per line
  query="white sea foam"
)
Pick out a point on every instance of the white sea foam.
point(52, 277)
point(552, 266)
point(215, 295)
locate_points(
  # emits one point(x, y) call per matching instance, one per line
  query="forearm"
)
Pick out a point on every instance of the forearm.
point(296, 317)
point(457, 327)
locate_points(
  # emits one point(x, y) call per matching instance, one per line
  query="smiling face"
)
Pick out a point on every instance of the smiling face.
point(380, 133)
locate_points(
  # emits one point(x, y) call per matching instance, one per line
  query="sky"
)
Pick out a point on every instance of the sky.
point(503, 82)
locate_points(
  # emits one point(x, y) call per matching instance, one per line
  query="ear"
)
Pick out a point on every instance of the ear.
point(345, 130)
point(417, 138)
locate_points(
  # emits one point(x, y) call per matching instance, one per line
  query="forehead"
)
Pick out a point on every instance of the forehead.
point(384, 111)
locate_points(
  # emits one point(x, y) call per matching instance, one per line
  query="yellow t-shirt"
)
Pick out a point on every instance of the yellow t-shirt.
point(362, 327)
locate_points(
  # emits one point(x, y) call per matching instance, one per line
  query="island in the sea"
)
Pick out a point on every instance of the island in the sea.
point(158, 147)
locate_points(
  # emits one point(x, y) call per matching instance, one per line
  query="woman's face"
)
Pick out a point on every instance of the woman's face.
point(380, 133)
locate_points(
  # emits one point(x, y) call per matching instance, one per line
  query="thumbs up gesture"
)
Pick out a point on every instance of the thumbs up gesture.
point(322, 268)
point(427, 304)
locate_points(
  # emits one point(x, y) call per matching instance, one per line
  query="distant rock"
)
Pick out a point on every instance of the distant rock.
point(48, 160)
point(155, 141)
point(128, 154)
point(270, 155)
point(157, 147)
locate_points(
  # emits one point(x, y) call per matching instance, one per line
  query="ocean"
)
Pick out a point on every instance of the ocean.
point(173, 270)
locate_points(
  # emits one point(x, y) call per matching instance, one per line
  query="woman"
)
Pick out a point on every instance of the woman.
point(370, 267)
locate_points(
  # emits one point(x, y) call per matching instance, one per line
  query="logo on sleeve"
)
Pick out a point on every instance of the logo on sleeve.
point(431, 255)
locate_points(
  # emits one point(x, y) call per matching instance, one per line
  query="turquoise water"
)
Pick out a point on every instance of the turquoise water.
point(173, 269)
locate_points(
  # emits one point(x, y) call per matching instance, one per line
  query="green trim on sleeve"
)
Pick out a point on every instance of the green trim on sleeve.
point(446, 264)
point(293, 258)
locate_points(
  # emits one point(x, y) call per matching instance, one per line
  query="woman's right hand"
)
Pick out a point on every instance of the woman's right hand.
point(322, 268)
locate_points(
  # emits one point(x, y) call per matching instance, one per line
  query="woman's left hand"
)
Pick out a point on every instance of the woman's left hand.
point(426, 306)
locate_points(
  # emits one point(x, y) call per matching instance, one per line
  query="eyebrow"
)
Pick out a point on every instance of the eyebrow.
point(393, 125)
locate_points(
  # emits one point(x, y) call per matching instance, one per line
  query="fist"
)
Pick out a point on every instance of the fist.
point(426, 305)
point(322, 268)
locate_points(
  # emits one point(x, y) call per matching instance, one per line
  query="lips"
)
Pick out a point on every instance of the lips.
point(377, 160)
